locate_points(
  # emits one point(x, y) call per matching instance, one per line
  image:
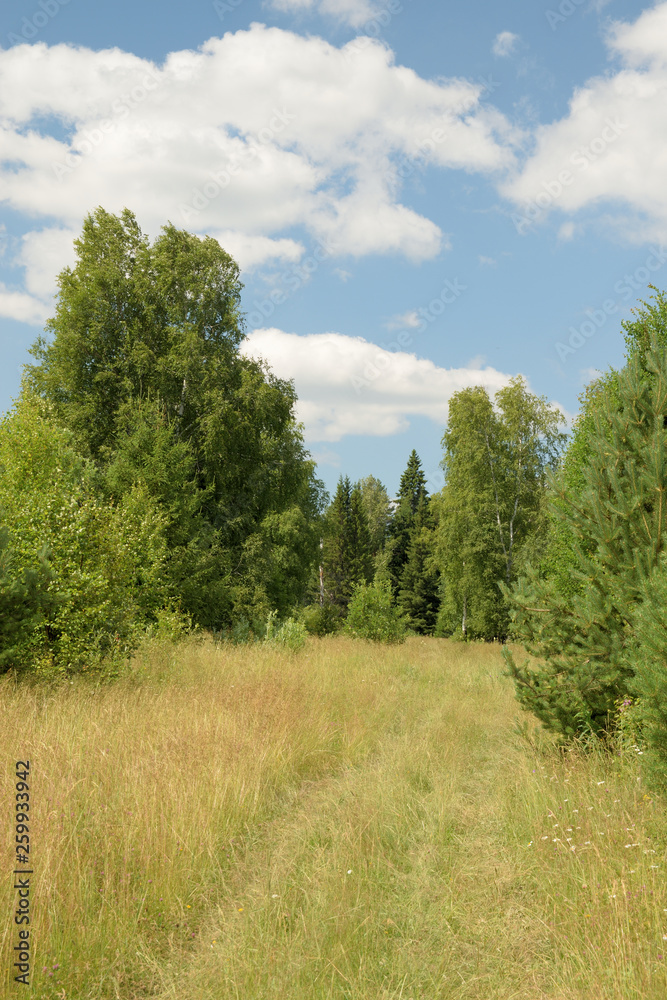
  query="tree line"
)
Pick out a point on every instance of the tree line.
point(154, 479)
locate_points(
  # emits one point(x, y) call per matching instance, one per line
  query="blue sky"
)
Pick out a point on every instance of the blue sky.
point(421, 196)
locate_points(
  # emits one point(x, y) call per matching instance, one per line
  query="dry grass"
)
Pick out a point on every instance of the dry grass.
point(351, 822)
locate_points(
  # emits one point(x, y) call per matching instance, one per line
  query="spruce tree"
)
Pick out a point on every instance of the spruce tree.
point(419, 594)
point(584, 642)
point(346, 556)
point(412, 489)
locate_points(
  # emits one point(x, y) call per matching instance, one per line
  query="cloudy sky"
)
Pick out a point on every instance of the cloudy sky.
point(422, 195)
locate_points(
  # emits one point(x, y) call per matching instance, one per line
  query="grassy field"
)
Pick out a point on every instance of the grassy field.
point(354, 822)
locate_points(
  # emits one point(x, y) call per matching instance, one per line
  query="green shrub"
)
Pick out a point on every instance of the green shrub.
point(104, 582)
point(372, 614)
point(291, 634)
point(322, 619)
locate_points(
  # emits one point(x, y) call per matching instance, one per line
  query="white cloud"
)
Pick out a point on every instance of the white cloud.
point(611, 148)
point(23, 307)
point(404, 321)
point(44, 254)
point(487, 261)
point(504, 44)
point(349, 386)
point(251, 136)
point(251, 251)
point(343, 274)
point(355, 13)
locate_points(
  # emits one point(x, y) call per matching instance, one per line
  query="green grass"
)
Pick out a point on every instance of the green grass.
point(352, 821)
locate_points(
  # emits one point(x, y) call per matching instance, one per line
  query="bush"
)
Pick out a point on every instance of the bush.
point(103, 582)
point(372, 614)
point(291, 634)
point(322, 619)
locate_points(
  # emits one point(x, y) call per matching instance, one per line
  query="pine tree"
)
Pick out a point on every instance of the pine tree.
point(584, 642)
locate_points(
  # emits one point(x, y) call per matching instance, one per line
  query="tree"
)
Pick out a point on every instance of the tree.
point(25, 601)
point(419, 595)
point(412, 489)
point(373, 615)
point(103, 581)
point(495, 465)
point(375, 503)
point(144, 368)
point(346, 554)
point(584, 640)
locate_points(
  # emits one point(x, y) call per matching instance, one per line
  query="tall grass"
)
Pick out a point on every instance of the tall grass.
point(352, 821)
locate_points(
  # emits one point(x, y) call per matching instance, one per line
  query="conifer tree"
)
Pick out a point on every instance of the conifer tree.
point(419, 594)
point(346, 556)
point(584, 641)
point(412, 489)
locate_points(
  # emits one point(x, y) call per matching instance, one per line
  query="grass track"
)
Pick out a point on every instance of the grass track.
point(354, 822)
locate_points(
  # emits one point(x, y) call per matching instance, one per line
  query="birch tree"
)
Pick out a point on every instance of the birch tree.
point(495, 463)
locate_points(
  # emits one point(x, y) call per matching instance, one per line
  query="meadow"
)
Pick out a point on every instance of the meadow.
point(353, 821)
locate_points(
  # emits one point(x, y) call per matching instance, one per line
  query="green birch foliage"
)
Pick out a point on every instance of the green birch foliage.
point(584, 641)
point(495, 464)
point(373, 615)
point(375, 503)
point(25, 601)
point(467, 544)
point(105, 581)
point(145, 348)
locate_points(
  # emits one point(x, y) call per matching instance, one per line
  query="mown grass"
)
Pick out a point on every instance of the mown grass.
point(353, 821)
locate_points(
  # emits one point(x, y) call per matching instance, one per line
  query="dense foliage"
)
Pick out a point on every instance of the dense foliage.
point(496, 463)
point(591, 608)
point(143, 368)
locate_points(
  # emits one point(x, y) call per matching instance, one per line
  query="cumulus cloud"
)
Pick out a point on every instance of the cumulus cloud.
point(504, 44)
point(252, 136)
point(350, 386)
point(610, 150)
